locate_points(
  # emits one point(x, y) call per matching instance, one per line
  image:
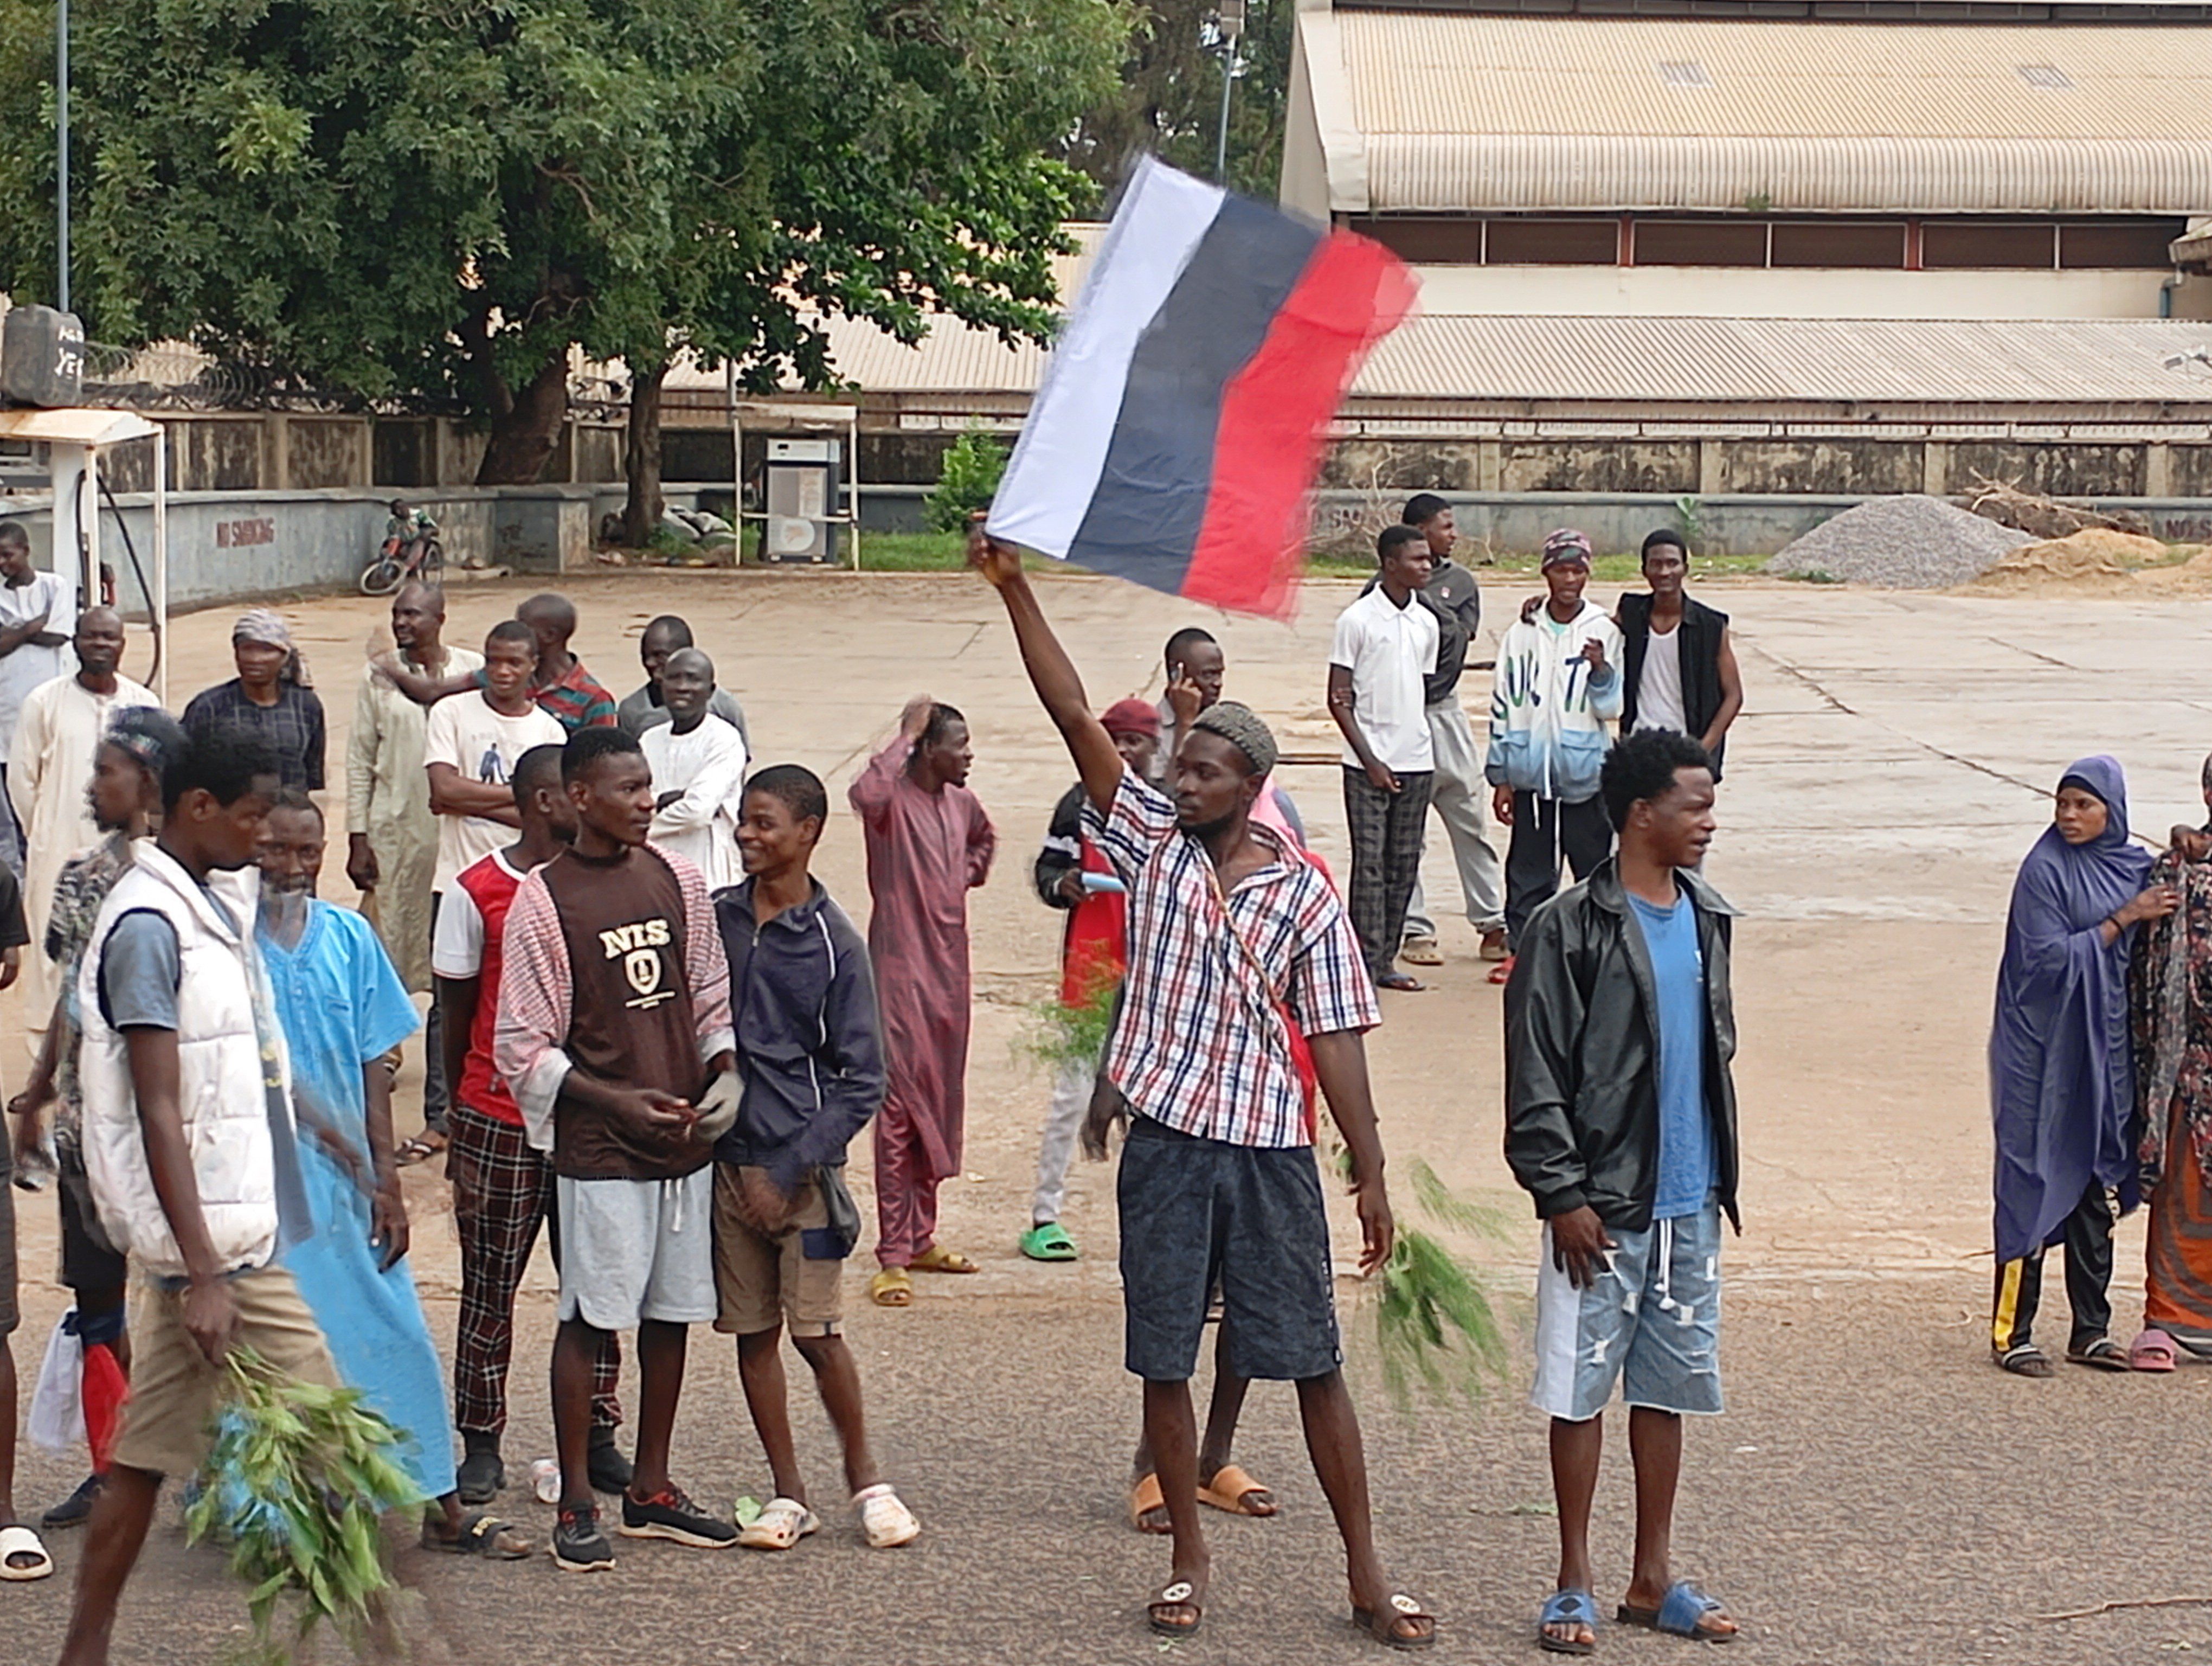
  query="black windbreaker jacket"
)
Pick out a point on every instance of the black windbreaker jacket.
point(1582, 1053)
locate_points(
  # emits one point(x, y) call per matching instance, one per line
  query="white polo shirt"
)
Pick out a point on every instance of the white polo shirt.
point(1388, 650)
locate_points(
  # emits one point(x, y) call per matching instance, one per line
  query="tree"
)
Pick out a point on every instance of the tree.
point(1169, 99)
point(449, 200)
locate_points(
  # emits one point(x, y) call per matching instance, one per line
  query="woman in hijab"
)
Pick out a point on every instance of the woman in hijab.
point(270, 698)
point(2062, 1074)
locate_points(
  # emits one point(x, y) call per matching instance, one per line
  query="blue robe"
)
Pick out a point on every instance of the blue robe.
point(341, 1006)
point(2062, 1073)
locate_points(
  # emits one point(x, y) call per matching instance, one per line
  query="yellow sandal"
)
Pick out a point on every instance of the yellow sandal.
point(891, 1288)
point(937, 1259)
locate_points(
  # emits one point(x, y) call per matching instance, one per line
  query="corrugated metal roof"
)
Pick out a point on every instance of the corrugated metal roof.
point(1611, 361)
point(1476, 113)
point(1791, 361)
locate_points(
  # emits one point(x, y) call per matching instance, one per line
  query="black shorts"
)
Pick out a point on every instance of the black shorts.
point(89, 1262)
point(1195, 1212)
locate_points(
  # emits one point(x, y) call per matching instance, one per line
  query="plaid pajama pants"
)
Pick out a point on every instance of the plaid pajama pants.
point(502, 1193)
point(1386, 858)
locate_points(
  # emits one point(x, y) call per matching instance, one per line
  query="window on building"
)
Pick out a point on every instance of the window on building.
point(2127, 244)
point(1956, 243)
point(1427, 239)
point(1834, 243)
point(1700, 242)
point(1553, 242)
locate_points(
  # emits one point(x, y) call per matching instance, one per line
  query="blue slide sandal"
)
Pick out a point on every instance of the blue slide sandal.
point(1567, 1607)
point(1682, 1614)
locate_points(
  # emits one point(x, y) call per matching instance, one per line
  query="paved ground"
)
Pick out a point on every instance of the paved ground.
point(1876, 1493)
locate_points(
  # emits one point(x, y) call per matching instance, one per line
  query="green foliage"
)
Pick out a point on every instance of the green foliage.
point(297, 1479)
point(1060, 1035)
point(437, 199)
point(1169, 100)
point(966, 480)
point(1436, 1331)
point(1691, 513)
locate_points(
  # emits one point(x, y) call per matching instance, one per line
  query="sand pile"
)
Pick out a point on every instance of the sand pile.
point(2091, 559)
point(1902, 544)
point(2098, 562)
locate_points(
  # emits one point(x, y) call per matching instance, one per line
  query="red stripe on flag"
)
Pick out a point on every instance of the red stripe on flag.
point(1274, 422)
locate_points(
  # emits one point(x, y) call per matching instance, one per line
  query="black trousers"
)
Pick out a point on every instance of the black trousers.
point(1545, 831)
point(1386, 858)
point(2088, 1241)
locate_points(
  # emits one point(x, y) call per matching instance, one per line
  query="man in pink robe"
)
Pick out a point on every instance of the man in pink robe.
point(929, 843)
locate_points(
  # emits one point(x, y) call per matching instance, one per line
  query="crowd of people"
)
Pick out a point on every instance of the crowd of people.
point(653, 1036)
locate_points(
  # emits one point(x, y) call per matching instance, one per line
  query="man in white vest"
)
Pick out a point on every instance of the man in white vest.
point(188, 1144)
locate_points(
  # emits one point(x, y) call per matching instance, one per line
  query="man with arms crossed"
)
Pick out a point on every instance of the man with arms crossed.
point(1217, 1176)
point(613, 1034)
point(1620, 1122)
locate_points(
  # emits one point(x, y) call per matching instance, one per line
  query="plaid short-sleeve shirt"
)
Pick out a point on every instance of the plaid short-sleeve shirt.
point(1200, 1045)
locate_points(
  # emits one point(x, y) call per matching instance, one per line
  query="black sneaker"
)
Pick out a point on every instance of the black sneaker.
point(73, 1510)
point(481, 1476)
point(579, 1546)
point(605, 1468)
point(670, 1515)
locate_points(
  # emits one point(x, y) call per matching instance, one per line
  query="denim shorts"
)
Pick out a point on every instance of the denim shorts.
point(1650, 1322)
point(1196, 1211)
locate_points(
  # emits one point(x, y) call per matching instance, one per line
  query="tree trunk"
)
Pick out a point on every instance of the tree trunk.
point(642, 456)
point(523, 436)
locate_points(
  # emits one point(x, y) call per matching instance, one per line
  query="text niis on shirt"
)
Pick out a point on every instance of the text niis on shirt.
point(638, 946)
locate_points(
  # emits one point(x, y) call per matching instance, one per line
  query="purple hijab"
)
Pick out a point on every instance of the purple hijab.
point(2062, 1076)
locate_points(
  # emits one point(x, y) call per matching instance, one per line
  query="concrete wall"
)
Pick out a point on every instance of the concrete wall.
point(1514, 523)
point(232, 546)
point(1842, 466)
point(1747, 292)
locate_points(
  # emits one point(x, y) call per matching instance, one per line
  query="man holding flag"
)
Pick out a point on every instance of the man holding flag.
point(1240, 958)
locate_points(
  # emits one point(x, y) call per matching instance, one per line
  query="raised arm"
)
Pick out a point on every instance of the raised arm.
point(1052, 673)
point(876, 786)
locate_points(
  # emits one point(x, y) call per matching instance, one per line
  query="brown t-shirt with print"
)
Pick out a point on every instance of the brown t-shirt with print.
point(630, 1021)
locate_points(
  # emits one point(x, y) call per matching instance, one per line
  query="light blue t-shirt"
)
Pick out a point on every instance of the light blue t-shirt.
point(1686, 1134)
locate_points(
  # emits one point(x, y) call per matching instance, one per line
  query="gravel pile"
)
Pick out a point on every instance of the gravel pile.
point(1902, 544)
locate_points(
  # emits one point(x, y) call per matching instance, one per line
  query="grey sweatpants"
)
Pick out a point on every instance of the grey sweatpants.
point(1461, 797)
point(1063, 1122)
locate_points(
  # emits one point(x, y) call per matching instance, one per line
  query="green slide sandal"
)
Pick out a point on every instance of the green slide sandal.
point(1049, 1243)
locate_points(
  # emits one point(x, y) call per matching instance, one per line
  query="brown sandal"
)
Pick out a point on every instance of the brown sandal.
point(1231, 1491)
point(1382, 1624)
point(1145, 1497)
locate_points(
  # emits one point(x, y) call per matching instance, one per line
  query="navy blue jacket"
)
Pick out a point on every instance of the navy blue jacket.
point(810, 1045)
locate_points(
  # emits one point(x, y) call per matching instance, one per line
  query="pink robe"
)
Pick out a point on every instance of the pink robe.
point(925, 852)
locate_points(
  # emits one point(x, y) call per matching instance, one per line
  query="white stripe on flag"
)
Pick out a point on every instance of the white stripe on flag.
point(1057, 460)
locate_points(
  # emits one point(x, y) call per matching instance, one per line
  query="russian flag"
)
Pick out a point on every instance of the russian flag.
point(1182, 418)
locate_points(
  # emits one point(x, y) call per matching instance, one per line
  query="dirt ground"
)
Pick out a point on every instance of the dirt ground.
point(1876, 1492)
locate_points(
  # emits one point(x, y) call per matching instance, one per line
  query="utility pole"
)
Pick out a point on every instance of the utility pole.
point(61, 151)
point(1229, 28)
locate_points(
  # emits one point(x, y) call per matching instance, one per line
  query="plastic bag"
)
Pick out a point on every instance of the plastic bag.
point(58, 1403)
